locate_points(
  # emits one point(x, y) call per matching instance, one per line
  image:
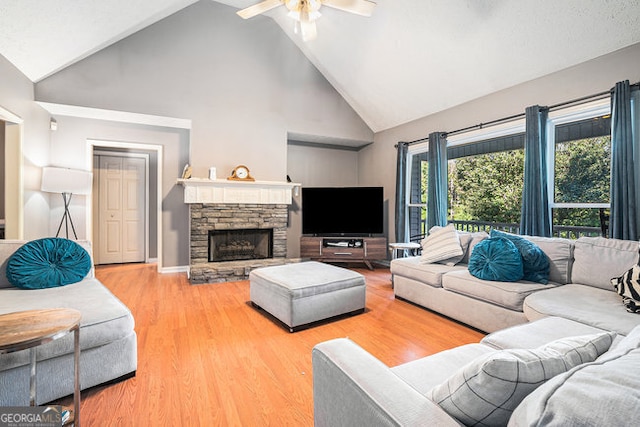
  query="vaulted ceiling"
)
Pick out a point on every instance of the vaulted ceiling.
point(410, 59)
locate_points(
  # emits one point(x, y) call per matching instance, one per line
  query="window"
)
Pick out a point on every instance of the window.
point(580, 155)
point(486, 176)
point(487, 185)
point(417, 206)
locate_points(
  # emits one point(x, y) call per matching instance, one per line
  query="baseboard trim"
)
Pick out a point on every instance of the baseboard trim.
point(177, 269)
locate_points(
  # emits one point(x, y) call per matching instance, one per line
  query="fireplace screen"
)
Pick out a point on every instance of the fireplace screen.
point(236, 245)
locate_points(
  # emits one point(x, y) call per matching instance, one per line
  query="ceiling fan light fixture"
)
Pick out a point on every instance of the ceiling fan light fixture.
point(306, 12)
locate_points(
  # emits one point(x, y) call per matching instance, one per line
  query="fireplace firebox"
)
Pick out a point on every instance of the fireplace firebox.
point(243, 244)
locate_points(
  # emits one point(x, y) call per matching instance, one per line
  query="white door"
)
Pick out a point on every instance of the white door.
point(121, 209)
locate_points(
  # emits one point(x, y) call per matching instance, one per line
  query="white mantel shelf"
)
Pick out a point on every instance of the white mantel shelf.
point(202, 190)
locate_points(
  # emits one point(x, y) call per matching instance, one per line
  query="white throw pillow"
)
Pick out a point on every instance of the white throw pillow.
point(441, 244)
point(487, 390)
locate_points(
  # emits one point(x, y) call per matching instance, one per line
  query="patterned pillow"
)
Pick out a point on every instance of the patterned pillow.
point(534, 261)
point(628, 287)
point(441, 244)
point(496, 259)
point(465, 240)
point(48, 263)
point(487, 390)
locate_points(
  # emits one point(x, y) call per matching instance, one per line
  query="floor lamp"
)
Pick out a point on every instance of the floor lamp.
point(66, 182)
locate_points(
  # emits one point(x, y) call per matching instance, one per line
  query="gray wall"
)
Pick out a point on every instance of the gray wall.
point(243, 84)
point(377, 162)
point(316, 167)
point(71, 149)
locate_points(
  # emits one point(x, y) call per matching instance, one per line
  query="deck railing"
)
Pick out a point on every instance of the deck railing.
point(566, 231)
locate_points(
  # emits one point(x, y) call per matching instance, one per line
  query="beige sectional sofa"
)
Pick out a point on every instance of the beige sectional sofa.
point(352, 387)
point(107, 337)
point(579, 285)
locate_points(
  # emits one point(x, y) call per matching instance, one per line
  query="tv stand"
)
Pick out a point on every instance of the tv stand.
point(344, 249)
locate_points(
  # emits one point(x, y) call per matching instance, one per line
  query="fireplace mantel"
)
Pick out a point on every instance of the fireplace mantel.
point(200, 190)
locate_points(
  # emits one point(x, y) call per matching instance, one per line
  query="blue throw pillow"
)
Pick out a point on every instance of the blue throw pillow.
point(496, 259)
point(534, 260)
point(47, 263)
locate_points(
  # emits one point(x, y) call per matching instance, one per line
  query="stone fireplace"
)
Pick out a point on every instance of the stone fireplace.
point(235, 227)
point(239, 245)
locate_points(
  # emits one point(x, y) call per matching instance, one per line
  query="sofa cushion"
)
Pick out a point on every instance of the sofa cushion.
point(601, 393)
point(585, 304)
point(468, 240)
point(597, 260)
point(510, 295)
point(539, 332)
point(427, 372)
point(476, 237)
point(104, 318)
point(487, 390)
point(429, 274)
point(534, 261)
point(442, 244)
point(559, 252)
point(628, 287)
point(496, 259)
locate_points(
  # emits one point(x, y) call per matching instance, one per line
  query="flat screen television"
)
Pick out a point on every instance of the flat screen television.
point(342, 211)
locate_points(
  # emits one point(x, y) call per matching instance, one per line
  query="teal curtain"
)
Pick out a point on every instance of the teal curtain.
point(401, 193)
point(437, 202)
point(536, 214)
point(623, 222)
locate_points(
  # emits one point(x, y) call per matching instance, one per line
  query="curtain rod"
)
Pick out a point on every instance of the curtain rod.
point(517, 116)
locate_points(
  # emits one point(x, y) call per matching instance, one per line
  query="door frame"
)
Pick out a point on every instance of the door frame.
point(146, 192)
point(13, 195)
point(92, 145)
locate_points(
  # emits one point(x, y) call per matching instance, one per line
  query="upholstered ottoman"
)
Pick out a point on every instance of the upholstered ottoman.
point(306, 292)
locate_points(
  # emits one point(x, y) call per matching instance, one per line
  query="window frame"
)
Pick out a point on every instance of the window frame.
point(510, 127)
point(413, 150)
point(563, 116)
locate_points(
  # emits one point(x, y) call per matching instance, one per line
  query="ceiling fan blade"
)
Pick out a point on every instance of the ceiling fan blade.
point(259, 8)
point(309, 30)
point(359, 7)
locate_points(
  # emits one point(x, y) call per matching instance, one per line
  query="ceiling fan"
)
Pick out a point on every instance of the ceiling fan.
point(305, 12)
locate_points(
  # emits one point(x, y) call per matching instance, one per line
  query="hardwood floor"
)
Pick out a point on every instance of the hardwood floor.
point(207, 357)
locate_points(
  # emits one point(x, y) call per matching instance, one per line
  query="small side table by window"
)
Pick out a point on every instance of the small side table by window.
point(403, 249)
point(28, 329)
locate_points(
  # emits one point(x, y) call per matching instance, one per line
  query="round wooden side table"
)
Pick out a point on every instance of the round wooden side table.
point(28, 329)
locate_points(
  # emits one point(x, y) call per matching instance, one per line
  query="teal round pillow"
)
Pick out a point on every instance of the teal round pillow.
point(48, 263)
point(496, 259)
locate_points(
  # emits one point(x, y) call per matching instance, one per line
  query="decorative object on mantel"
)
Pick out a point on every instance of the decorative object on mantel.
point(241, 173)
point(212, 173)
point(186, 172)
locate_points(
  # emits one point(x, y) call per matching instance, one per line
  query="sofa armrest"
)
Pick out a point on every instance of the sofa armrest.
point(353, 388)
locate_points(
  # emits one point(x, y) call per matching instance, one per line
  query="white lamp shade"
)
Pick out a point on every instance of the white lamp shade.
point(63, 180)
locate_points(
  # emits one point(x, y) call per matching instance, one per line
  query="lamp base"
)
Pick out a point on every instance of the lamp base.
point(66, 218)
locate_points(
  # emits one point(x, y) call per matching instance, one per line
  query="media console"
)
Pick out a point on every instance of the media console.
point(344, 249)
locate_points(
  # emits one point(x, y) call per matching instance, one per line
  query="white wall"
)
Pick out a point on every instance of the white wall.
point(377, 162)
point(16, 96)
point(316, 167)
